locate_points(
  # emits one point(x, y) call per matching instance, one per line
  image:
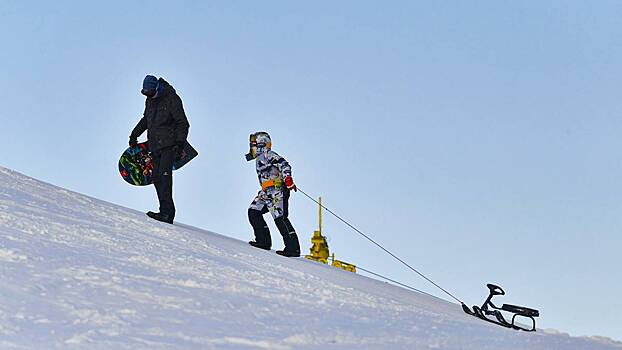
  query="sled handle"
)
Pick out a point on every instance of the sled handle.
point(495, 290)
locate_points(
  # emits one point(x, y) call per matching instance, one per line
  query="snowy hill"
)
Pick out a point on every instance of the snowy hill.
point(79, 273)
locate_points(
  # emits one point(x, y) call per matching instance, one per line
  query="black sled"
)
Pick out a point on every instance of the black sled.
point(489, 309)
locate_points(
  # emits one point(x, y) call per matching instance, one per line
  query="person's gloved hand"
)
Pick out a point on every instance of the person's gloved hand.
point(289, 183)
point(179, 149)
point(133, 142)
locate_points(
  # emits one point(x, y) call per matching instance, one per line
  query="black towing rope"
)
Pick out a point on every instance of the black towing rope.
point(380, 246)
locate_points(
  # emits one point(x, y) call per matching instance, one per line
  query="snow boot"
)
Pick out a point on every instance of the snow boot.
point(289, 253)
point(161, 217)
point(260, 229)
point(292, 246)
point(259, 245)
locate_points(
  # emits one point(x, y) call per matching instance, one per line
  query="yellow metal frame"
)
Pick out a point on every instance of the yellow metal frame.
point(319, 250)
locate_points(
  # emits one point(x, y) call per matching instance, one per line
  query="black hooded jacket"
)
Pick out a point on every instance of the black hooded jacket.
point(164, 119)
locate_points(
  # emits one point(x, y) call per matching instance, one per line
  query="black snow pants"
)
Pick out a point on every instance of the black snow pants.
point(163, 179)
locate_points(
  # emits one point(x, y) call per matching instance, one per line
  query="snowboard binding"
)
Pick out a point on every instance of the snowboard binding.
point(489, 309)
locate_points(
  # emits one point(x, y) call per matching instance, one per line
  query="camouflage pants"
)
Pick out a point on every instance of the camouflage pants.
point(273, 200)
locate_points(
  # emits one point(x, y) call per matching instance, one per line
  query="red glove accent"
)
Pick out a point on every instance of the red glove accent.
point(289, 183)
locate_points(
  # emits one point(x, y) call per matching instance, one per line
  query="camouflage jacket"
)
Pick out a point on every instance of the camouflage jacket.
point(271, 166)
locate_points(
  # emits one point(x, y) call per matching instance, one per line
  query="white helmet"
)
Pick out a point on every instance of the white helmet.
point(258, 142)
point(262, 140)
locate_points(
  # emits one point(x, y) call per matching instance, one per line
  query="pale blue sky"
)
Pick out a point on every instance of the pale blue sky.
point(477, 140)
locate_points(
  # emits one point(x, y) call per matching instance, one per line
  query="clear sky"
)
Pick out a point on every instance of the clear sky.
point(477, 140)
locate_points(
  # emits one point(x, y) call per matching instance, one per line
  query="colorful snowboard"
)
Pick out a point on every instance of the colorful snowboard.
point(135, 164)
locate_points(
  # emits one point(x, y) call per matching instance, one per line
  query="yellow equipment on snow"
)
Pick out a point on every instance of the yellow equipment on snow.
point(343, 265)
point(319, 249)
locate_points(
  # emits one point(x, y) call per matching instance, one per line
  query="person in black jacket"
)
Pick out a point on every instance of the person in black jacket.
point(167, 130)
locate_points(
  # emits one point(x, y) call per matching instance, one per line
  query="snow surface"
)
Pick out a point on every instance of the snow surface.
point(80, 273)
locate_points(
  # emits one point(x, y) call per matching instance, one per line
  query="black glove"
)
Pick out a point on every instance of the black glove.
point(179, 149)
point(133, 142)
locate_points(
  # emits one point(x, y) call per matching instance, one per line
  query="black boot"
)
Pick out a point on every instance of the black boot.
point(259, 245)
point(289, 254)
point(260, 228)
point(292, 246)
point(290, 239)
point(161, 217)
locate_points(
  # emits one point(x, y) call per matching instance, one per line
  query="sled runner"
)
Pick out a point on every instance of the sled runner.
point(489, 309)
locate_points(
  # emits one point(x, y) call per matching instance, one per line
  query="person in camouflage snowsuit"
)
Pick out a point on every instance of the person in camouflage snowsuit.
point(275, 177)
point(167, 129)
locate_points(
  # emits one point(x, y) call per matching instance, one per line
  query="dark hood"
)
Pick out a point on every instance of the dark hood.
point(164, 88)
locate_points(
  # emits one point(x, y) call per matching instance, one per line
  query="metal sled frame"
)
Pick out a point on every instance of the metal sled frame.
point(490, 309)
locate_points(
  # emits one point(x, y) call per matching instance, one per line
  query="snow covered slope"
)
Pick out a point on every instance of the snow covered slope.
point(79, 273)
